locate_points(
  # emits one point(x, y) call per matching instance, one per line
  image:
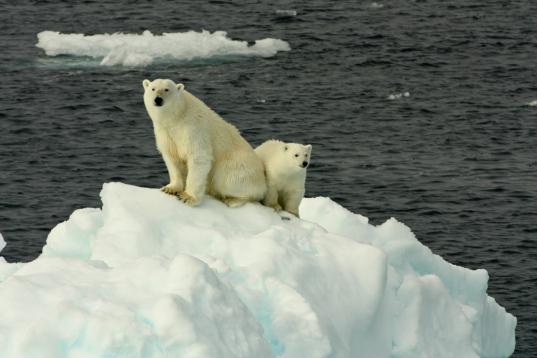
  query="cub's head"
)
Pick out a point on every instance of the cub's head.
point(297, 155)
point(160, 93)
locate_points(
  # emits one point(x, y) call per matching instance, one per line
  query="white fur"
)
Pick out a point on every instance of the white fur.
point(203, 153)
point(286, 175)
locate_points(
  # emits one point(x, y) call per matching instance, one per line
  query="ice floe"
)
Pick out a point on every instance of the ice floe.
point(143, 49)
point(147, 276)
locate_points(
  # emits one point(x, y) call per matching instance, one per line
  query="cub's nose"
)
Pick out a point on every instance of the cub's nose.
point(304, 164)
point(158, 101)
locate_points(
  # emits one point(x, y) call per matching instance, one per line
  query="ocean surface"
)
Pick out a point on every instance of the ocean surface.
point(418, 110)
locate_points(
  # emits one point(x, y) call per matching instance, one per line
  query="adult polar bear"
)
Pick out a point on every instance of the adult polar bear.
point(203, 153)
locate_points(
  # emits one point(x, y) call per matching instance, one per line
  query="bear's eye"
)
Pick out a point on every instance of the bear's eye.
point(166, 90)
point(296, 155)
point(153, 89)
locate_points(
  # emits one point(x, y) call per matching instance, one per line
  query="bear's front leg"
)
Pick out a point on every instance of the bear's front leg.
point(175, 171)
point(292, 201)
point(196, 180)
point(271, 198)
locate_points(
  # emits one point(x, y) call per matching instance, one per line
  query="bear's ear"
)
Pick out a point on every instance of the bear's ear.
point(308, 148)
point(180, 87)
point(146, 83)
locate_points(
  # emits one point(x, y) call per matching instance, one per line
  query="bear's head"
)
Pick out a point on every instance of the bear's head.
point(297, 155)
point(160, 93)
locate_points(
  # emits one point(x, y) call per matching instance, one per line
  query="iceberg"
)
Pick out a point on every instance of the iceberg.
point(138, 50)
point(147, 276)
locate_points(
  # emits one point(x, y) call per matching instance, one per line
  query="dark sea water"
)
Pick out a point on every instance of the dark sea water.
point(456, 160)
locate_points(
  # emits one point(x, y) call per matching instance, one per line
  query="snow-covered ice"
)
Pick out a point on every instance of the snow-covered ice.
point(147, 276)
point(143, 49)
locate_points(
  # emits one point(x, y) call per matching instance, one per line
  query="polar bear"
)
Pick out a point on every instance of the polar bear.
point(202, 152)
point(285, 168)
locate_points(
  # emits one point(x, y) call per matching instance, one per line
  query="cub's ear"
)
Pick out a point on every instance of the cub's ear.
point(308, 148)
point(146, 83)
point(180, 87)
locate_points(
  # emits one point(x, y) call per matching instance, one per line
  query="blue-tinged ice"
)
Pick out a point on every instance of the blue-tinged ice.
point(147, 276)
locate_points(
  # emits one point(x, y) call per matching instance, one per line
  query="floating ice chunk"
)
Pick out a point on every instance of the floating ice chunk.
point(533, 103)
point(286, 13)
point(143, 49)
point(147, 276)
point(6, 269)
point(376, 5)
point(3, 264)
point(398, 95)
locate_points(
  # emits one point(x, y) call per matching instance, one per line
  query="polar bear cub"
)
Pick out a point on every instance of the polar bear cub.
point(285, 169)
point(202, 152)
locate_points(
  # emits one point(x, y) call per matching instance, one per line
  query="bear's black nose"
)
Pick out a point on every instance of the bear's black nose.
point(304, 164)
point(158, 101)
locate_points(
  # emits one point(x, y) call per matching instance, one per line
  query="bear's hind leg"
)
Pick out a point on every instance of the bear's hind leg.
point(238, 182)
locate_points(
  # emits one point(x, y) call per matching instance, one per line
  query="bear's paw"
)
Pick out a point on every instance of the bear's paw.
point(276, 207)
point(188, 199)
point(172, 189)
